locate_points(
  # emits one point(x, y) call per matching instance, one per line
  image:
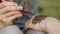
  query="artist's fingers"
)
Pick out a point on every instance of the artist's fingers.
point(9, 14)
point(10, 8)
point(4, 4)
point(9, 3)
point(15, 16)
point(8, 21)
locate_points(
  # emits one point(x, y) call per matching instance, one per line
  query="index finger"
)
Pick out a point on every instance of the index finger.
point(4, 4)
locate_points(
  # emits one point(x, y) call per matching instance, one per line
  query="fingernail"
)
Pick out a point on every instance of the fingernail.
point(20, 7)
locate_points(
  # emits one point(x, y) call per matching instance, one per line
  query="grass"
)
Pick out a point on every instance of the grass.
point(50, 8)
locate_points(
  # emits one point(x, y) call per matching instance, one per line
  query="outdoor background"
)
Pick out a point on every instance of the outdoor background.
point(49, 8)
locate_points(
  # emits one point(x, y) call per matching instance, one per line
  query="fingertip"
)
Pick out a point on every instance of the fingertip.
point(20, 7)
point(18, 15)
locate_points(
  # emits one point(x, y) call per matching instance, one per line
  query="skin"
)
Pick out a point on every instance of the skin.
point(8, 12)
point(50, 25)
point(8, 0)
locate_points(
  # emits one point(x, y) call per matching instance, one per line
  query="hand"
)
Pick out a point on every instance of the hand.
point(8, 12)
point(36, 23)
point(29, 24)
point(50, 25)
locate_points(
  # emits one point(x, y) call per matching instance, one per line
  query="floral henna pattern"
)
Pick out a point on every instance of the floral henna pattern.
point(38, 19)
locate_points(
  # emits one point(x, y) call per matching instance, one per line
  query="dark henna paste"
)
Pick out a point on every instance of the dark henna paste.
point(38, 19)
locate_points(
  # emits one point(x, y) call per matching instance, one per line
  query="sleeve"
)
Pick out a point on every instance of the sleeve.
point(32, 6)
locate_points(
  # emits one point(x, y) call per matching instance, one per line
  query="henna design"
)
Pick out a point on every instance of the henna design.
point(38, 19)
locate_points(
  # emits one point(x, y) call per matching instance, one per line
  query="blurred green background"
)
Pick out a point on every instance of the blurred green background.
point(49, 8)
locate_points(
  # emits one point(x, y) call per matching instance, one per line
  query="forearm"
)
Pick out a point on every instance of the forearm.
point(52, 25)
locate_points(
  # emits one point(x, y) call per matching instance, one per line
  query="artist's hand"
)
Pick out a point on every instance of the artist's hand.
point(8, 12)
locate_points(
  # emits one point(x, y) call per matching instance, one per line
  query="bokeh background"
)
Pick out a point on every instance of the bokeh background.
point(49, 8)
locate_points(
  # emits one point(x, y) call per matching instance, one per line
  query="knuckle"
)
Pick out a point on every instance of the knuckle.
point(12, 3)
point(20, 7)
point(8, 3)
point(15, 3)
point(13, 8)
point(10, 8)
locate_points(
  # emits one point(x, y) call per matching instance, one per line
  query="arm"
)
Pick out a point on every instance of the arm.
point(53, 25)
point(50, 25)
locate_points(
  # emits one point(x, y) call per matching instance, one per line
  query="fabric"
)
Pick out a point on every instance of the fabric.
point(34, 32)
point(11, 30)
point(33, 8)
point(15, 30)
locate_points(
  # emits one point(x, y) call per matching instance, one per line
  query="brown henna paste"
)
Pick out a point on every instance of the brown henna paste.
point(38, 19)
